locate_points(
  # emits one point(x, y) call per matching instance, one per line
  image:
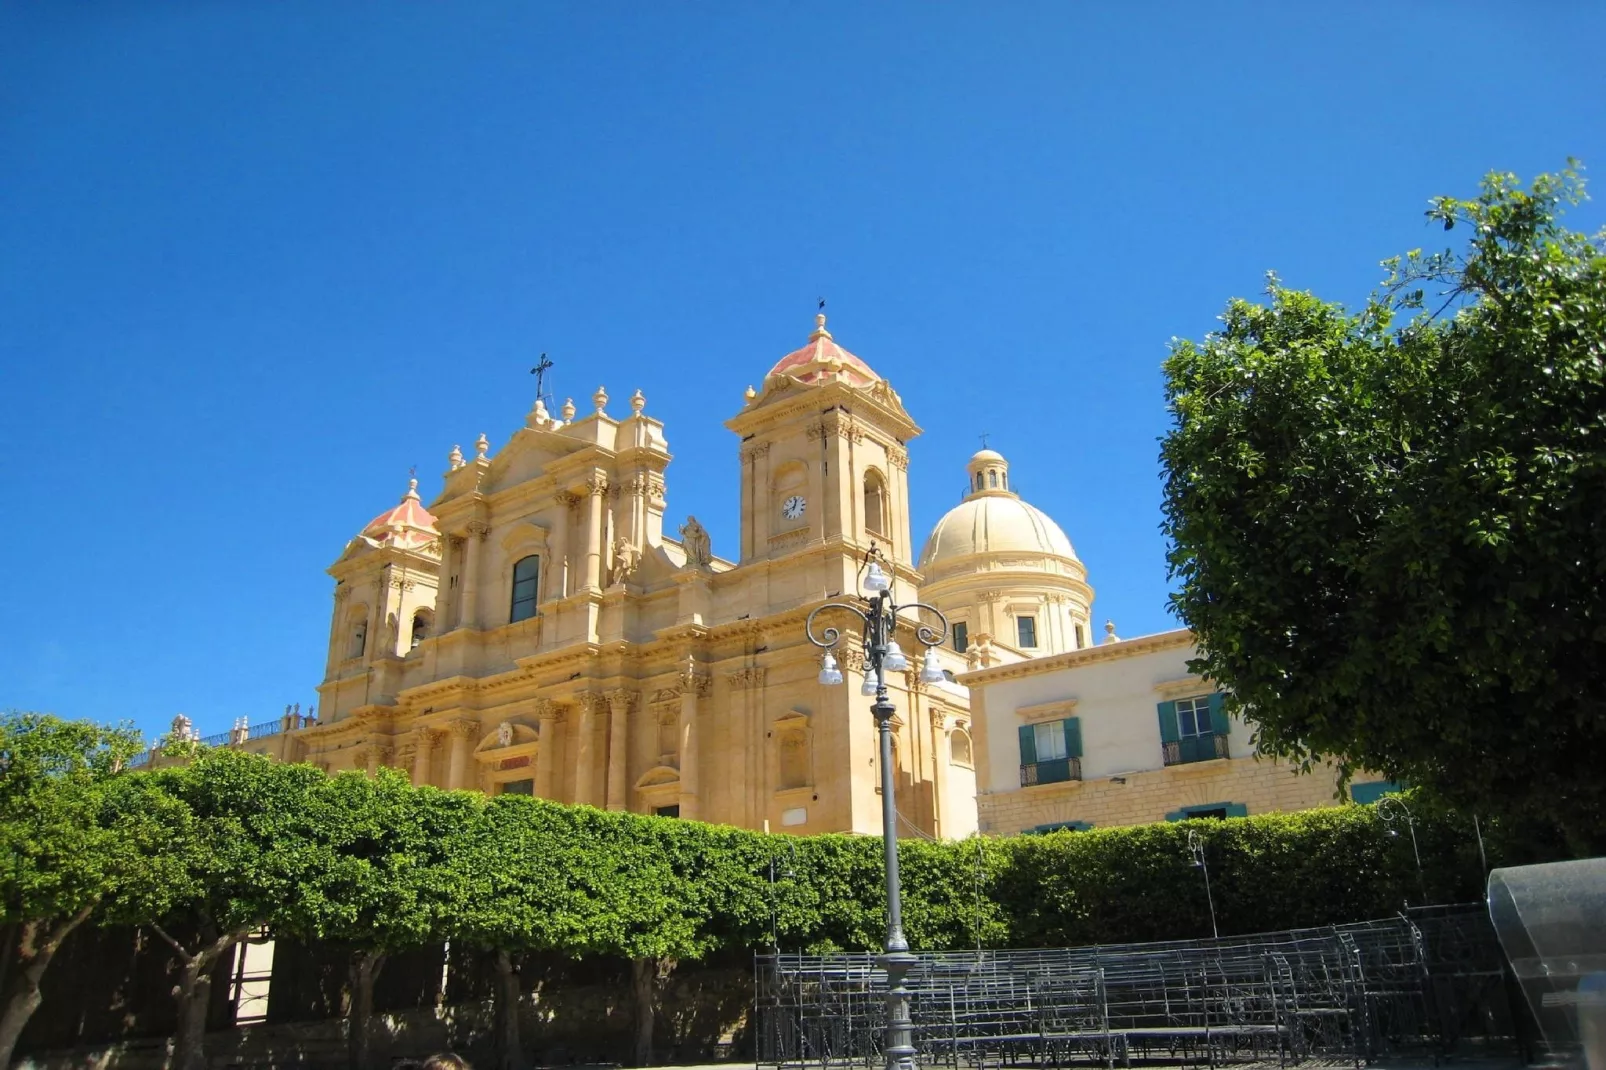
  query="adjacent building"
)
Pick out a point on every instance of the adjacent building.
point(1122, 734)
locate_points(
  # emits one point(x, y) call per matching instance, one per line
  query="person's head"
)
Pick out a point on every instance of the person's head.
point(446, 1061)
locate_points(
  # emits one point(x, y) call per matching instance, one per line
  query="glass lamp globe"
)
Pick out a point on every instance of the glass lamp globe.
point(930, 670)
point(867, 689)
point(875, 580)
point(895, 661)
point(829, 673)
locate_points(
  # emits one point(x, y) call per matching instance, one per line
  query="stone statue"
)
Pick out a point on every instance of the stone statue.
point(625, 559)
point(504, 734)
point(694, 537)
point(182, 730)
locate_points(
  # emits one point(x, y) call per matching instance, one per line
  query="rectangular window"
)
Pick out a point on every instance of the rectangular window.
point(519, 787)
point(1026, 630)
point(1050, 739)
point(525, 575)
point(667, 811)
point(1193, 717)
point(961, 636)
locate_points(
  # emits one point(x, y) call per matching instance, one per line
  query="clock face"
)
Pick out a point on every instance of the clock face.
point(793, 509)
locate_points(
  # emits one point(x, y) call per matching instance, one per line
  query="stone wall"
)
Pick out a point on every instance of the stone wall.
point(1262, 785)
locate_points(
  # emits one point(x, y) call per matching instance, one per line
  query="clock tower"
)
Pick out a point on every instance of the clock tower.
point(824, 462)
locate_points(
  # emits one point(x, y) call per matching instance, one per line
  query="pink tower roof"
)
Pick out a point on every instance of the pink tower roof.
point(407, 525)
point(823, 359)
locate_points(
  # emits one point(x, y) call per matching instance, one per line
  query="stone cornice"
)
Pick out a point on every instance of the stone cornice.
point(1126, 648)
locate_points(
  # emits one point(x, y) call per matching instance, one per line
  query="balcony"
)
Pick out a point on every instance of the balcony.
point(1053, 771)
point(1194, 749)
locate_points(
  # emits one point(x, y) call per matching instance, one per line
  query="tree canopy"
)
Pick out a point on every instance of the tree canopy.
point(1387, 525)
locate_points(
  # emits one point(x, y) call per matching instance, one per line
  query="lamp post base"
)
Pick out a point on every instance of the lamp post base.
point(900, 1048)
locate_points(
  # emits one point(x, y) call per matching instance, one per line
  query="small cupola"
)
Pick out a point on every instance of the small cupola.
point(989, 474)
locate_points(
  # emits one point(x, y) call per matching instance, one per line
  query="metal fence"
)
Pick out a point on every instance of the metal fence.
point(1424, 984)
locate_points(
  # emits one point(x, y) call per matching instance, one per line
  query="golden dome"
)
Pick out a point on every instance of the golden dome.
point(993, 519)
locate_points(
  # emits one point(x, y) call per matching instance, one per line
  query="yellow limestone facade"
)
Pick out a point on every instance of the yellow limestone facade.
point(539, 628)
point(1120, 734)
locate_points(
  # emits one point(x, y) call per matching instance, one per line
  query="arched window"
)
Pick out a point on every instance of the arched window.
point(525, 575)
point(979, 484)
point(992, 478)
point(1006, 480)
point(359, 637)
point(961, 748)
point(420, 629)
point(875, 503)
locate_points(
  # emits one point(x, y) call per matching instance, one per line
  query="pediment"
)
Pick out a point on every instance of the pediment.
point(525, 457)
point(658, 776)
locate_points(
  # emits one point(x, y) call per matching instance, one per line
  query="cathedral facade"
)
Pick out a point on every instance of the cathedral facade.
point(537, 629)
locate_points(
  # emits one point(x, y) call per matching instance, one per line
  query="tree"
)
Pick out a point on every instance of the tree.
point(252, 847)
point(524, 885)
point(76, 834)
point(1387, 525)
point(380, 883)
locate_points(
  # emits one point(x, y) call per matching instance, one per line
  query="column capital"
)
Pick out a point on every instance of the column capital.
point(546, 710)
point(477, 527)
point(466, 729)
point(620, 700)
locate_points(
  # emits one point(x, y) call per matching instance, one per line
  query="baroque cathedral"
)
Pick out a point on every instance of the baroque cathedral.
point(536, 629)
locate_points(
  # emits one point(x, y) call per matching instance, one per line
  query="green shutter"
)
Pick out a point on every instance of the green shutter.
point(1028, 745)
point(1168, 722)
point(1073, 737)
point(1218, 716)
point(1237, 810)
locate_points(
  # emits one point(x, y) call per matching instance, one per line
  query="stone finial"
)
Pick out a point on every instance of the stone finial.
point(455, 458)
point(750, 393)
point(819, 328)
point(600, 399)
point(539, 411)
point(568, 409)
point(482, 446)
point(638, 401)
point(412, 490)
point(1109, 632)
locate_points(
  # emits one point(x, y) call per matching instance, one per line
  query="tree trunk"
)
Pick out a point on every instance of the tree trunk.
point(194, 994)
point(364, 967)
point(37, 943)
point(643, 983)
point(507, 1012)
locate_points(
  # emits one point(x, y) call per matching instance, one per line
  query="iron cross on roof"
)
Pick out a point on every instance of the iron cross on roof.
point(539, 371)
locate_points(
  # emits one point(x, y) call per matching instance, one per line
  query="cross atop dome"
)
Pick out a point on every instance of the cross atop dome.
point(822, 360)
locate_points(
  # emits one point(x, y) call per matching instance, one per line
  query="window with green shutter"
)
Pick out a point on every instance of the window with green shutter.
point(1050, 752)
point(1193, 730)
point(1208, 811)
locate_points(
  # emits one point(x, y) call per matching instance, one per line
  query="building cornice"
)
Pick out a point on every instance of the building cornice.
point(1125, 648)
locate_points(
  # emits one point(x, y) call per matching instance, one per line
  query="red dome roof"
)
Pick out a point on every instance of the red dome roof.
point(823, 359)
point(407, 525)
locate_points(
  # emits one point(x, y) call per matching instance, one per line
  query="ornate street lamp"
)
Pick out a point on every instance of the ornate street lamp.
point(1384, 812)
point(882, 655)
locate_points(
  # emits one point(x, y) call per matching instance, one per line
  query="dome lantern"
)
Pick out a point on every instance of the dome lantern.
point(989, 473)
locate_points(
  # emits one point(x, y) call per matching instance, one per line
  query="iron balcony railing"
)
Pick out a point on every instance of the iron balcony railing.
point(1053, 771)
point(1194, 749)
point(266, 728)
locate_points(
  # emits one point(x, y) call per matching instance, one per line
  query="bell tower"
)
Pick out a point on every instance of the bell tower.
point(824, 460)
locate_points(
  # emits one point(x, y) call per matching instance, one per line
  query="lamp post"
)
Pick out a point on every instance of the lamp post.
point(1410, 823)
point(879, 614)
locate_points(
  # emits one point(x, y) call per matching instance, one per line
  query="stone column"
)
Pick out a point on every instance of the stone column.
point(618, 751)
point(584, 750)
point(469, 615)
point(557, 568)
point(424, 754)
point(942, 755)
point(596, 535)
point(692, 687)
point(464, 733)
point(547, 711)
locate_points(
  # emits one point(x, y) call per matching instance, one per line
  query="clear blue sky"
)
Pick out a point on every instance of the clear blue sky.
point(258, 259)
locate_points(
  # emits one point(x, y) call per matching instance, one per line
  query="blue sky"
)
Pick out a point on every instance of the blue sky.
point(256, 260)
